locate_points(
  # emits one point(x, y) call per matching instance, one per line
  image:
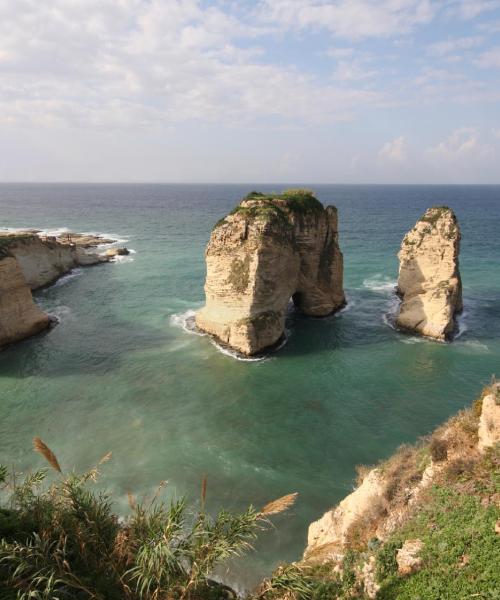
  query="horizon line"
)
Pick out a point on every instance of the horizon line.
point(249, 183)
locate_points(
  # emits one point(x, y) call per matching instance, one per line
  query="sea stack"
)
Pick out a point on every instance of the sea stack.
point(270, 248)
point(429, 281)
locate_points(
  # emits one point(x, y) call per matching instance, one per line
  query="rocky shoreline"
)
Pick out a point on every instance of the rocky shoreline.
point(30, 260)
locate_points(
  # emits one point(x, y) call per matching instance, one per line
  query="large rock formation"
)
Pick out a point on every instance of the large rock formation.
point(269, 249)
point(27, 262)
point(429, 281)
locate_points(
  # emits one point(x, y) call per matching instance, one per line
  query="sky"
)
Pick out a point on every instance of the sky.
point(317, 91)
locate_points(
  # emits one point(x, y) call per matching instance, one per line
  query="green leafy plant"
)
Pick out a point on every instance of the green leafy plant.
point(62, 540)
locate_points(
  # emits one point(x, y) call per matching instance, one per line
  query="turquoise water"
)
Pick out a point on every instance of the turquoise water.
point(120, 373)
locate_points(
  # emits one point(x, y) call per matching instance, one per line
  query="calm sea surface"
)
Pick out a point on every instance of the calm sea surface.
point(120, 373)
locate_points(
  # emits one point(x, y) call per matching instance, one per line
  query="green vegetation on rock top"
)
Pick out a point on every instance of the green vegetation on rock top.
point(277, 205)
point(433, 214)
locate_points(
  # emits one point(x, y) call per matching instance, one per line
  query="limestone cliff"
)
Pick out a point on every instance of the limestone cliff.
point(27, 262)
point(269, 249)
point(44, 260)
point(20, 317)
point(429, 281)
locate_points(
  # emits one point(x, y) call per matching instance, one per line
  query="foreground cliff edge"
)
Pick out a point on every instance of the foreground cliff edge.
point(270, 248)
point(429, 282)
point(423, 524)
point(28, 262)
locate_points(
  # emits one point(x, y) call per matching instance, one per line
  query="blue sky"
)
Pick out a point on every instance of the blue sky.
point(361, 91)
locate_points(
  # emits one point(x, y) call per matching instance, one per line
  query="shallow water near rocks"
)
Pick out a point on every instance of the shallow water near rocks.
point(121, 373)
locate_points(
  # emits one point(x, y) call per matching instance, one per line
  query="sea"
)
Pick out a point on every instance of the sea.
point(122, 372)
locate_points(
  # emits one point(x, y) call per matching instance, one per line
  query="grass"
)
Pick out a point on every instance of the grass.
point(277, 207)
point(461, 551)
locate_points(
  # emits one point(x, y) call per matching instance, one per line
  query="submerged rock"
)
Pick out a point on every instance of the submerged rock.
point(429, 281)
point(269, 249)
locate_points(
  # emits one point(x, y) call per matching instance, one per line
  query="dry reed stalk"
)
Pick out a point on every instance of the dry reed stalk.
point(279, 505)
point(204, 482)
point(105, 458)
point(47, 453)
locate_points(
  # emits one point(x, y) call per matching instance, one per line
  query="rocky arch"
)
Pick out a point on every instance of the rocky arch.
point(269, 249)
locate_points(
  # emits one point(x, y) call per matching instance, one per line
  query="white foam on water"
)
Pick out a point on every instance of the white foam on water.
point(108, 236)
point(409, 339)
point(233, 354)
point(66, 278)
point(474, 346)
point(186, 321)
point(348, 305)
point(380, 283)
point(121, 259)
point(53, 232)
point(461, 325)
point(60, 313)
point(389, 317)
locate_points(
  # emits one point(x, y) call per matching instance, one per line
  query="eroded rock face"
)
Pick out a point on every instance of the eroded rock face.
point(429, 281)
point(329, 533)
point(43, 261)
point(268, 250)
point(20, 317)
point(28, 262)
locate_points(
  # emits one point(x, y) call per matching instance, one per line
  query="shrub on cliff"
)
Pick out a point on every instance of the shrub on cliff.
point(64, 541)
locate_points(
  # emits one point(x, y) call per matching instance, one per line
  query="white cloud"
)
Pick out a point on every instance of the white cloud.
point(489, 59)
point(469, 9)
point(463, 143)
point(349, 18)
point(454, 45)
point(394, 150)
point(113, 64)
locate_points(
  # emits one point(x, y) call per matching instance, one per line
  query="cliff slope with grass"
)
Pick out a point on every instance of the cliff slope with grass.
point(270, 248)
point(422, 524)
point(27, 262)
point(429, 281)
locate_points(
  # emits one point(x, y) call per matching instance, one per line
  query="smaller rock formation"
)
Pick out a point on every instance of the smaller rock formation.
point(113, 252)
point(429, 281)
point(269, 249)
